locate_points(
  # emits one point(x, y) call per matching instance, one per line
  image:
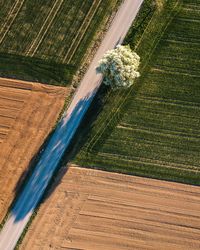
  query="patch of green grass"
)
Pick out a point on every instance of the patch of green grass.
point(46, 40)
point(152, 129)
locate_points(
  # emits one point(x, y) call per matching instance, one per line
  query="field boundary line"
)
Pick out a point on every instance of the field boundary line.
point(12, 12)
point(83, 32)
point(37, 41)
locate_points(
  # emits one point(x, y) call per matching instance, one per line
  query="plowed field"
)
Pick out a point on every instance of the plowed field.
point(95, 210)
point(28, 111)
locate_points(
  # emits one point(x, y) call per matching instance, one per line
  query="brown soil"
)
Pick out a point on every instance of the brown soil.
point(96, 210)
point(28, 111)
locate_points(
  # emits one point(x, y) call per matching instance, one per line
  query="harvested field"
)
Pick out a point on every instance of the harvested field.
point(52, 36)
point(92, 209)
point(152, 129)
point(28, 111)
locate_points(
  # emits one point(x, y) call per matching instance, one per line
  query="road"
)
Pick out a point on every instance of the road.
point(36, 185)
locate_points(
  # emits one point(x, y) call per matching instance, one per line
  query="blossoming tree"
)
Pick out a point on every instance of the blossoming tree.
point(119, 67)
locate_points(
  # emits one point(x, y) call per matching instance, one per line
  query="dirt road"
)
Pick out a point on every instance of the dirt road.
point(60, 140)
point(96, 210)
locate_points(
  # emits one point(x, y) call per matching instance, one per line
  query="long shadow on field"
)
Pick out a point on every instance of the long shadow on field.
point(43, 166)
point(79, 139)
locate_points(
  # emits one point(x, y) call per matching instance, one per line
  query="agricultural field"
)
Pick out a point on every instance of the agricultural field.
point(28, 112)
point(45, 40)
point(141, 213)
point(153, 129)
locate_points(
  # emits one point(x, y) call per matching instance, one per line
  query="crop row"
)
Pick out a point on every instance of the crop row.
point(56, 32)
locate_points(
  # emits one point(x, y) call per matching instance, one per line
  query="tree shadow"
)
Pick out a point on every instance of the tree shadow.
point(60, 147)
point(80, 138)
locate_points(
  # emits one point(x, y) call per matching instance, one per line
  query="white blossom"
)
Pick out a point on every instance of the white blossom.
point(119, 67)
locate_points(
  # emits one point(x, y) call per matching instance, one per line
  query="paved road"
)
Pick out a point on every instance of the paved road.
point(35, 187)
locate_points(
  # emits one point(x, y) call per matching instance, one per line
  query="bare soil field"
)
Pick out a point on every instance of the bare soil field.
point(28, 111)
point(92, 209)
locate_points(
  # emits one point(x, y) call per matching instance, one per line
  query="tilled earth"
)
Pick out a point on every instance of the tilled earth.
point(28, 111)
point(93, 210)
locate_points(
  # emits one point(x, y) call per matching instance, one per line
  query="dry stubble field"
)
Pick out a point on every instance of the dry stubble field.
point(28, 111)
point(92, 209)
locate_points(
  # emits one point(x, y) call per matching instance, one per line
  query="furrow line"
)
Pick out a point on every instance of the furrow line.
point(10, 21)
point(146, 161)
point(82, 30)
point(45, 27)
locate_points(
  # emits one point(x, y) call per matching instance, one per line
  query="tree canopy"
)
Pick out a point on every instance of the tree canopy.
point(119, 67)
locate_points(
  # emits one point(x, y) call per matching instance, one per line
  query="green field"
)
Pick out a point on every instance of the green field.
point(153, 129)
point(45, 40)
